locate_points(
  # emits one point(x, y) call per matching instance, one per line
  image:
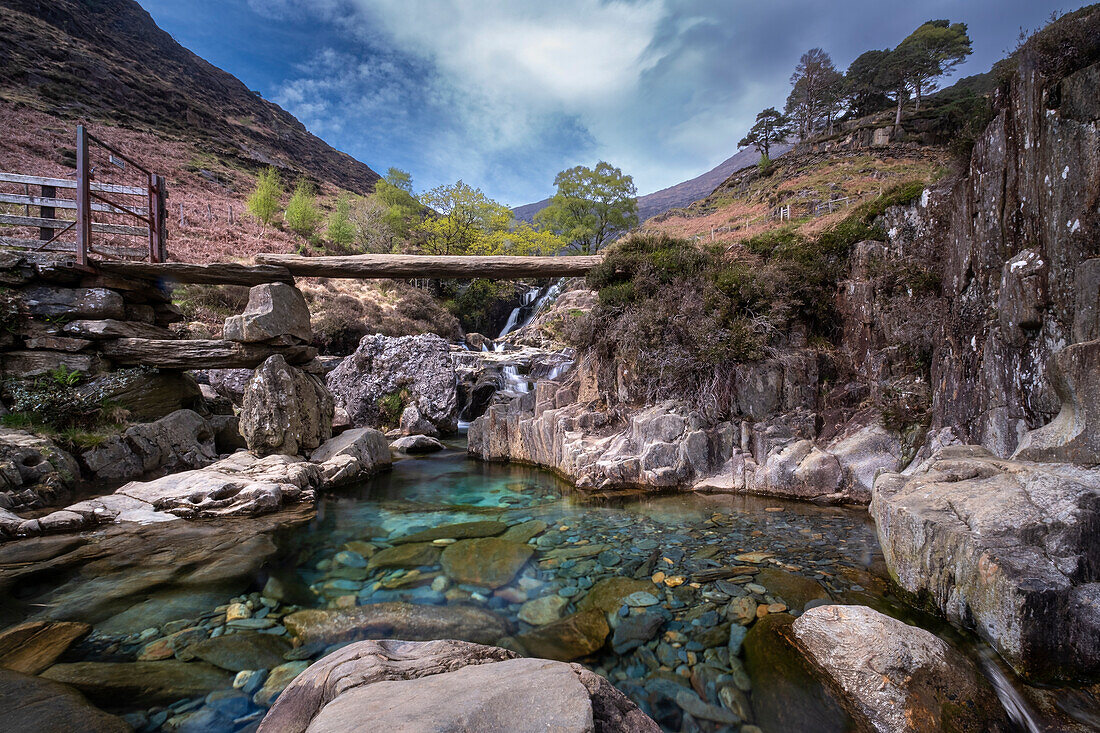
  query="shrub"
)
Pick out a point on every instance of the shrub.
point(480, 304)
point(263, 203)
point(390, 407)
point(302, 214)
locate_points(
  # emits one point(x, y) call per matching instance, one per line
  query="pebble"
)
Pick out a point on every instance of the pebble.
point(640, 599)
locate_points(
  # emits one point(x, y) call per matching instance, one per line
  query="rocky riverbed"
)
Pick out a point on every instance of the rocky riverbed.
point(682, 602)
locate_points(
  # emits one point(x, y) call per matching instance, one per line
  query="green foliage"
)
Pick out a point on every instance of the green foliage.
point(341, 230)
point(263, 203)
point(816, 92)
point(390, 406)
point(51, 402)
point(302, 214)
point(467, 222)
point(932, 50)
point(64, 376)
point(591, 206)
point(865, 89)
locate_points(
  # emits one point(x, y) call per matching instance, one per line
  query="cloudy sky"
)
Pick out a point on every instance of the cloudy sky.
point(504, 94)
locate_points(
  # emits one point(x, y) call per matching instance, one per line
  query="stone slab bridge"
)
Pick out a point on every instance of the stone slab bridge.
point(284, 268)
point(108, 314)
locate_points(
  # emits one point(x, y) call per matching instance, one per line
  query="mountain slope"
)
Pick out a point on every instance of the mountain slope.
point(681, 194)
point(108, 61)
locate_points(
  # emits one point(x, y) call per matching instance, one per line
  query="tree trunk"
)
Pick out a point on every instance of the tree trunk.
point(897, 119)
point(917, 107)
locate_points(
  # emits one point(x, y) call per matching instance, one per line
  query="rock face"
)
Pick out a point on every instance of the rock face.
point(450, 685)
point(386, 373)
point(33, 646)
point(895, 677)
point(285, 410)
point(669, 444)
point(180, 441)
point(273, 310)
point(33, 471)
point(1074, 434)
point(1002, 546)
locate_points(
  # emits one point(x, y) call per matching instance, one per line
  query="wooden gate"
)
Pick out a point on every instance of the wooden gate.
point(145, 203)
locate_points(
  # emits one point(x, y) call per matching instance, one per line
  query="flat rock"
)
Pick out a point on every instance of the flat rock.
point(893, 676)
point(796, 590)
point(489, 561)
point(459, 531)
point(33, 646)
point(542, 611)
point(149, 682)
point(525, 531)
point(30, 703)
point(394, 619)
point(440, 686)
point(608, 594)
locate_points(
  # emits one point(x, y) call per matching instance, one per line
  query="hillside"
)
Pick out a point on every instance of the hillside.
point(681, 194)
point(108, 62)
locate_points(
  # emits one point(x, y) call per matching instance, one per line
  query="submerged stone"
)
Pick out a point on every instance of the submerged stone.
point(578, 635)
point(489, 561)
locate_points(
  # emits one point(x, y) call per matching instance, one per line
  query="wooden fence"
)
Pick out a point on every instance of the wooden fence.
point(91, 198)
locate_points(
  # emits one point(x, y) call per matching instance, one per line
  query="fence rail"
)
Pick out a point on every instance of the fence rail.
point(91, 197)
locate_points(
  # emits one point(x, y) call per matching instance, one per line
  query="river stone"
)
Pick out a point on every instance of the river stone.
point(635, 630)
point(412, 555)
point(285, 410)
point(448, 685)
point(577, 635)
point(893, 676)
point(786, 695)
point(796, 590)
point(417, 444)
point(525, 531)
point(277, 681)
point(395, 620)
point(33, 646)
point(542, 611)
point(489, 561)
point(35, 704)
point(608, 594)
point(460, 531)
point(365, 445)
point(246, 650)
point(273, 310)
point(151, 682)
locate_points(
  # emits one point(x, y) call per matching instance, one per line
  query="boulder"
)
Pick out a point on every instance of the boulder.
point(285, 410)
point(1004, 547)
point(893, 677)
point(544, 610)
point(150, 682)
point(1074, 434)
point(411, 555)
point(488, 561)
point(394, 619)
point(413, 423)
point(273, 310)
point(35, 704)
point(179, 441)
point(795, 590)
point(48, 301)
point(33, 646)
point(407, 370)
point(449, 685)
point(352, 455)
point(230, 383)
point(416, 444)
point(34, 472)
point(607, 595)
point(577, 635)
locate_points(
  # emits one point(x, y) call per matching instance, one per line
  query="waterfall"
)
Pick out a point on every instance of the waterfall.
point(513, 317)
point(558, 369)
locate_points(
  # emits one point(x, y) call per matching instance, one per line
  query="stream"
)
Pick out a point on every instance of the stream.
point(721, 563)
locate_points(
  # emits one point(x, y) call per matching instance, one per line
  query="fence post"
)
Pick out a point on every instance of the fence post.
point(46, 212)
point(83, 199)
point(157, 218)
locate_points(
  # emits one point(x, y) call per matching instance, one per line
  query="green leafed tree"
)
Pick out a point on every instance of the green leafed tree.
point(341, 230)
point(591, 206)
point(302, 214)
point(402, 210)
point(932, 50)
point(771, 127)
point(464, 215)
point(263, 202)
